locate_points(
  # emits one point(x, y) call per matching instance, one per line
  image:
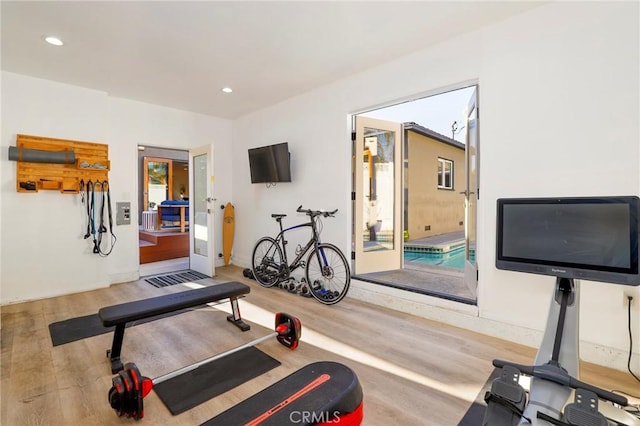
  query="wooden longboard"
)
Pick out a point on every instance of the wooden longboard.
point(228, 229)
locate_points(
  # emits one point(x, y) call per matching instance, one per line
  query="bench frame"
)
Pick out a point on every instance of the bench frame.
point(116, 347)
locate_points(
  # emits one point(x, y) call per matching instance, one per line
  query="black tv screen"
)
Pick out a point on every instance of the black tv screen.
point(270, 164)
point(592, 238)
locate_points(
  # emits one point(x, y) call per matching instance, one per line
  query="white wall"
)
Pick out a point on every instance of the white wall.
point(44, 253)
point(559, 116)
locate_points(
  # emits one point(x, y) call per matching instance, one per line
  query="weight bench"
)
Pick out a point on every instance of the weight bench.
point(120, 315)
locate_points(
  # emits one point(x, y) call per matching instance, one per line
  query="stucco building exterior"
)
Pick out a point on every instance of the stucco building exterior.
point(434, 173)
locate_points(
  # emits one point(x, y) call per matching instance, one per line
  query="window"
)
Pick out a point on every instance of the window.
point(445, 174)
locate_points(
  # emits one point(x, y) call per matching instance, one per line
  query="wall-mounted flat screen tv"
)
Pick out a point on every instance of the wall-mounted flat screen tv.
point(591, 238)
point(270, 164)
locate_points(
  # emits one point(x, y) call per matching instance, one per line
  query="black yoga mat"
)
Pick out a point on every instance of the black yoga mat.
point(475, 413)
point(73, 329)
point(192, 388)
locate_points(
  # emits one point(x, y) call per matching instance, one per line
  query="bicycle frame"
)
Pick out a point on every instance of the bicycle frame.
point(298, 262)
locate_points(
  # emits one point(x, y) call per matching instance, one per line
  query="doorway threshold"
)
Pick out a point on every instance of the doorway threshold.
point(447, 286)
point(164, 266)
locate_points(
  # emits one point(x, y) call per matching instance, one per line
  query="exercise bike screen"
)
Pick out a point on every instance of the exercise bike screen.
point(594, 239)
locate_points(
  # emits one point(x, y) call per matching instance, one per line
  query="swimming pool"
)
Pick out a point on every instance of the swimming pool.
point(453, 259)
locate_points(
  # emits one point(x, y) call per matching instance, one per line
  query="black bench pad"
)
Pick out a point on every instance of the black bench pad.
point(139, 309)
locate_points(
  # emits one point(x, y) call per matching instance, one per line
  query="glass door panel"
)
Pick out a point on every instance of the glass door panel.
point(377, 186)
point(201, 233)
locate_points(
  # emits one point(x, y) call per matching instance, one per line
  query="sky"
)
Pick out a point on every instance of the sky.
point(436, 112)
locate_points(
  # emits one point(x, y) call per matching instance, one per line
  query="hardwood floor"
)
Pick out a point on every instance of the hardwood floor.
point(412, 371)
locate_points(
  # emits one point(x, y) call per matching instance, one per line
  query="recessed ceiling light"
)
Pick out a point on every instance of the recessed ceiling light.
point(54, 40)
point(227, 89)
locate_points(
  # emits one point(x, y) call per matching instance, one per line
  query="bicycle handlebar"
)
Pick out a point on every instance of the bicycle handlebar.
point(556, 374)
point(313, 213)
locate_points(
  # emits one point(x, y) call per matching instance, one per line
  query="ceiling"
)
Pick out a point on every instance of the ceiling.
point(180, 54)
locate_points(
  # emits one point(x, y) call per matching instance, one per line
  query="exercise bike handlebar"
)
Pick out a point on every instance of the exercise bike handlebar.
point(313, 213)
point(556, 374)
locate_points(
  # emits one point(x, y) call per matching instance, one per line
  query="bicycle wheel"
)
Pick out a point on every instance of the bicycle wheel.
point(329, 279)
point(266, 262)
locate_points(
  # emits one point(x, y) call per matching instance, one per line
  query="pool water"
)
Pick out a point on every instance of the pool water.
point(453, 259)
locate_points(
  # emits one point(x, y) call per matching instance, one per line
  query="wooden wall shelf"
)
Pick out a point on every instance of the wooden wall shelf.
point(91, 163)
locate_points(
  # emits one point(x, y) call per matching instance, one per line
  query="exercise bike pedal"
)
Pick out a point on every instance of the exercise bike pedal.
point(506, 400)
point(584, 410)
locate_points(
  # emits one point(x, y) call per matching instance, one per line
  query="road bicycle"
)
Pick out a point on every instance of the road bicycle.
point(327, 272)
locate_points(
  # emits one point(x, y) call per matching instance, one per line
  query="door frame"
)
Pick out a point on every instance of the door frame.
point(472, 193)
point(351, 120)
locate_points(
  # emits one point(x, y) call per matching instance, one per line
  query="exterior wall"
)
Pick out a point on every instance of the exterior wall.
point(429, 206)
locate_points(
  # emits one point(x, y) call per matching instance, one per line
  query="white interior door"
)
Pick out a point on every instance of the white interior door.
point(471, 194)
point(201, 241)
point(378, 207)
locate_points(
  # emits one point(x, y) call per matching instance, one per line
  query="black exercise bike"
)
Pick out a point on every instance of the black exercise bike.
point(327, 272)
